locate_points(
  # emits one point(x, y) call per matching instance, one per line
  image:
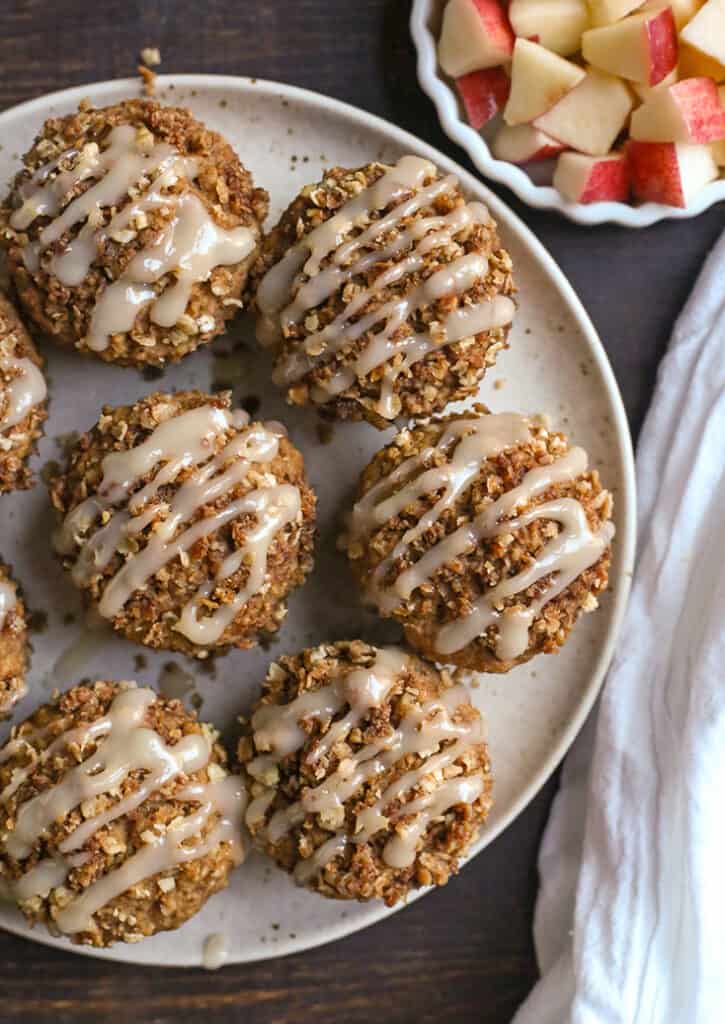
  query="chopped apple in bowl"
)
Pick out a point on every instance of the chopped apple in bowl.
point(628, 94)
point(593, 179)
point(523, 144)
point(591, 117)
point(688, 111)
point(475, 34)
point(705, 35)
point(669, 172)
point(555, 24)
point(539, 79)
point(641, 47)
point(483, 93)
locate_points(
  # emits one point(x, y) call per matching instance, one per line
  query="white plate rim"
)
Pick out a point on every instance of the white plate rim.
point(626, 537)
point(543, 197)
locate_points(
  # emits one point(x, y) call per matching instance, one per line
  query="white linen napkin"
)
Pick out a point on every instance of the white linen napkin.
point(630, 920)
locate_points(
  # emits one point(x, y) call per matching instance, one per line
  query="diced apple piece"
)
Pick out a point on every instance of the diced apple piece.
point(706, 33)
point(682, 10)
point(483, 93)
point(642, 47)
point(645, 91)
point(592, 179)
point(590, 117)
point(539, 79)
point(475, 34)
point(689, 111)
point(604, 12)
point(522, 144)
point(693, 64)
point(556, 24)
point(670, 172)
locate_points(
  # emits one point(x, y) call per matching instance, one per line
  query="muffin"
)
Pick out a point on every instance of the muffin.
point(185, 525)
point(22, 399)
point(368, 771)
point(484, 535)
point(118, 819)
point(130, 231)
point(383, 293)
point(13, 644)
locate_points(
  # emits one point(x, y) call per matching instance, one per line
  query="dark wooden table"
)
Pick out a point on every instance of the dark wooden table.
point(464, 953)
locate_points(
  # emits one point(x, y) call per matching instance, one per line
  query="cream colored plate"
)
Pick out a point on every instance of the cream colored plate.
point(556, 364)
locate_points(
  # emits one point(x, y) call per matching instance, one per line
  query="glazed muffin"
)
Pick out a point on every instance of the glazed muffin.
point(118, 818)
point(486, 536)
point(369, 775)
point(185, 525)
point(22, 399)
point(130, 232)
point(13, 643)
point(383, 293)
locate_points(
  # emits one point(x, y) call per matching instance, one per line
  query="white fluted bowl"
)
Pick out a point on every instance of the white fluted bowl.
point(425, 26)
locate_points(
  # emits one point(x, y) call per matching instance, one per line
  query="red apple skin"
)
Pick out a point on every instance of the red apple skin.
point(497, 24)
point(545, 153)
point(701, 107)
point(483, 93)
point(655, 172)
point(661, 33)
point(609, 180)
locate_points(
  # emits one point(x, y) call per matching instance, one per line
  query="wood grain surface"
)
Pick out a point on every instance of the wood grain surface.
point(463, 954)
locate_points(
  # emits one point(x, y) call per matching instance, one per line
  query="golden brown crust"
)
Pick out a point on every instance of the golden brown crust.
point(457, 584)
point(148, 617)
point(13, 650)
point(444, 375)
point(223, 185)
point(17, 442)
point(360, 872)
point(148, 907)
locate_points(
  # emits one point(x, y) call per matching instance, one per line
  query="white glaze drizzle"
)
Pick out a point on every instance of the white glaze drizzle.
point(26, 388)
point(124, 745)
point(278, 731)
point(215, 951)
point(466, 445)
point(184, 441)
point(285, 297)
point(8, 600)
point(190, 246)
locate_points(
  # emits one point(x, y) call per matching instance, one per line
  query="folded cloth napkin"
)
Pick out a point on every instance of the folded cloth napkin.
point(630, 919)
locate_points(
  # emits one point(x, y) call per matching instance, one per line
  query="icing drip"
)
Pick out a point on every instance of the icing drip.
point(125, 745)
point(215, 952)
point(183, 442)
point(190, 246)
point(423, 731)
point(25, 390)
point(8, 600)
point(466, 445)
point(296, 285)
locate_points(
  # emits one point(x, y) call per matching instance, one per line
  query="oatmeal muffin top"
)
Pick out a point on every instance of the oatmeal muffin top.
point(130, 231)
point(22, 398)
point(13, 643)
point(485, 535)
point(185, 524)
point(383, 292)
point(118, 818)
point(368, 770)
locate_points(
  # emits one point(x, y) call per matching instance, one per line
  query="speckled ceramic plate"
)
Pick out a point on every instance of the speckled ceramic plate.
point(555, 364)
